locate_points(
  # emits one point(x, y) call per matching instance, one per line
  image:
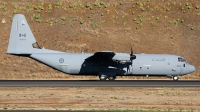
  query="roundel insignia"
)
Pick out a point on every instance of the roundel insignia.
point(61, 60)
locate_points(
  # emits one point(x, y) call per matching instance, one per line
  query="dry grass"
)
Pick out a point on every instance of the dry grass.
point(99, 98)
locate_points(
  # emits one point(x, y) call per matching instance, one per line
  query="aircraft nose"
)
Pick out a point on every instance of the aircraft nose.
point(191, 68)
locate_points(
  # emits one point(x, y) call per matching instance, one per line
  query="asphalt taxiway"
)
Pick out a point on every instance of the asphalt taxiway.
point(97, 83)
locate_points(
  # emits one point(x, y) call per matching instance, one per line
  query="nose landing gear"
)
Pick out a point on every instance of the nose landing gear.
point(175, 78)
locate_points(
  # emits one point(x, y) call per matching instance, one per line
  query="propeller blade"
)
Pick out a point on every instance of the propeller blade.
point(132, 56)
point(131, 51)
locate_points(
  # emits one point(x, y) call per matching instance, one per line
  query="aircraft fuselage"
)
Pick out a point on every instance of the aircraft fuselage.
point(144, 64)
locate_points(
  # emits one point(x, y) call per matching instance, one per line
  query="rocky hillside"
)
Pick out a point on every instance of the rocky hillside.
point(150, 26)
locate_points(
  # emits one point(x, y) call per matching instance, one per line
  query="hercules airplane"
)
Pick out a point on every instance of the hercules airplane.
point(105, 64)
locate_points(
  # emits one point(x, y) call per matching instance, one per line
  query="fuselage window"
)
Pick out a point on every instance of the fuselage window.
point(183, 65)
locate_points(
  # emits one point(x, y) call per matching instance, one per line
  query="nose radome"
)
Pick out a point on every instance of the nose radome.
point(191, 68)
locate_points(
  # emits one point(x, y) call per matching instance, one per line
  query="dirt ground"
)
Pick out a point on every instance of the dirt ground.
point(100, 98)
point(149, 26)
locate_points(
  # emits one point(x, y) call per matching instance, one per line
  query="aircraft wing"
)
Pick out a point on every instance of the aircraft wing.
point(109, 55)
point(103, 55)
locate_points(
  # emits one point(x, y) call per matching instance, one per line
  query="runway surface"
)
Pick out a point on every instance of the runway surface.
point(97, 83)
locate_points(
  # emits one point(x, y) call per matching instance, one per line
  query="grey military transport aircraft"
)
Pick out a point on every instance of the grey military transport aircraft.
point(105, 64)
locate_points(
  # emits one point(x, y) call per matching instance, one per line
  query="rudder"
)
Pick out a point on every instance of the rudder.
point(22, 40)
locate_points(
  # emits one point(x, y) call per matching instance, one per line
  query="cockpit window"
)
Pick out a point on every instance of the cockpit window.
point(180, 59)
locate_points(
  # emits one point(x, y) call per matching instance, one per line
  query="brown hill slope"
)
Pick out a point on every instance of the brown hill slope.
point(150, 26)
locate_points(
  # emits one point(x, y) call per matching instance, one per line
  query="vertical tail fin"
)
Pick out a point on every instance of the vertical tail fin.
point(21, 40)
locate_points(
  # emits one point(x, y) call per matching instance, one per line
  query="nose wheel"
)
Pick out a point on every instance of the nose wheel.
point(175, 78)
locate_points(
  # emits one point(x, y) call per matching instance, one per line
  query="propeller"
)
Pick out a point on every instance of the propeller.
point(132, 56)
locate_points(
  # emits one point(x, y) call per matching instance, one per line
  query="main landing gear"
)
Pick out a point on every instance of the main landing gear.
point(104, 77)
